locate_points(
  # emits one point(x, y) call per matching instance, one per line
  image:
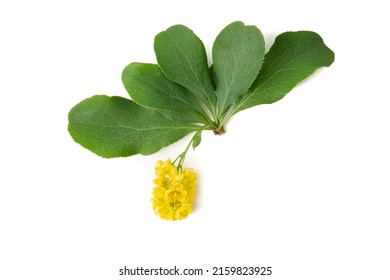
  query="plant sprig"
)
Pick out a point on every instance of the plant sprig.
point(183, 94)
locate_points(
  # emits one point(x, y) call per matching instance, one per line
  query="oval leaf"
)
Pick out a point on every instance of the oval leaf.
point(182, 58)
point(238, 53)
point(196, 141)
point(148, 87)
point(293, 57)
point(118, 127)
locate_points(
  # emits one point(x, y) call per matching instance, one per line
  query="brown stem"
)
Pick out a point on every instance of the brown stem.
point(220, 131)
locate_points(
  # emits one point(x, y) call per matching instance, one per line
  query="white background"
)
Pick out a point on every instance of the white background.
point(301, 185)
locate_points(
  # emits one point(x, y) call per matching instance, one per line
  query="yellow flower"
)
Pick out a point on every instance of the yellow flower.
point(174, 193)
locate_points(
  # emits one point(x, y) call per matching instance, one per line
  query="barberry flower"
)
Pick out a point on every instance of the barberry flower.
point(174, 193)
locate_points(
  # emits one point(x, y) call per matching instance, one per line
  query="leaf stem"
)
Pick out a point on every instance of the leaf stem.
point(228, 114)
point(215, 116)
point(180, 158)
point(208, 113)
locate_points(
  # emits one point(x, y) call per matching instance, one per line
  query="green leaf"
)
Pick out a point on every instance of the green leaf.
point(182, 58)
point(197, 140)
point(238, 53)
point(214, 77)
point(148, 87)
point(293, 57)
point(118, 127)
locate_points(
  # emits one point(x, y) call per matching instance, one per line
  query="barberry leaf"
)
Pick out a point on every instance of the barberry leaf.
point(214, 78)
point(182, 58)
point(197, 140)
point(293, 57)
point(238, 53)
point(148, 86)
point(118, 127)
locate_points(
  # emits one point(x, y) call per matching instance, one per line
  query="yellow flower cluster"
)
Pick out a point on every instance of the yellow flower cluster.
point(174, 193)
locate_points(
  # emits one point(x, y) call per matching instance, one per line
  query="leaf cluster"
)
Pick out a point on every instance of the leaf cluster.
point(183, 94)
